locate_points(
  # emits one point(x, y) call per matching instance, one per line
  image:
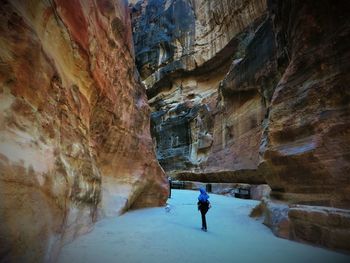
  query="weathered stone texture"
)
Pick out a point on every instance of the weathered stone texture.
point(74, 124)
point(276, 218)
point(304, 147)
point(306, 142)
point(323, 226)
point(282, 109)
point(173, 35)
point(252, 92)
point(188, 125)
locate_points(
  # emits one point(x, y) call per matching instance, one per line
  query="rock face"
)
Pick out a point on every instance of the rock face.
point(276, 217)
point(74, 138)
point(251, 92)
point(185, 35)
point(275, 104)
point(245, 94)
point(184, 49)
point(305, 145)
point(306, 149)
point(324, 226)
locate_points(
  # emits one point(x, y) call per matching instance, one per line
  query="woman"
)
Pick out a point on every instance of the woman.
point(203, 206)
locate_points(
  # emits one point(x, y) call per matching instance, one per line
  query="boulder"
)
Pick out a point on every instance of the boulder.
point(275, 216)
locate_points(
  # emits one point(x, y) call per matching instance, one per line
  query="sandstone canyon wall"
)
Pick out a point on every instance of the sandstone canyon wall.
point(184, 49)
point(305, 149)
point(74, 124)
point(254, 91)
point(308, 131)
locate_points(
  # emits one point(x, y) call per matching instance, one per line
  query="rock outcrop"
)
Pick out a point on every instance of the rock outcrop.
point(305, 154)
point(323, 226)
point(74, 124)
point(305, 146)
point(276, 104)
point(251, 92)
point(184, 49)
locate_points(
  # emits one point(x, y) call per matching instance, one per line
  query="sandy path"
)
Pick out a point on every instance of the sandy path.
point(153, 235)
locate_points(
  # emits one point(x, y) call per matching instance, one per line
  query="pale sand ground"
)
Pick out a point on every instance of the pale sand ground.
point(153, 235)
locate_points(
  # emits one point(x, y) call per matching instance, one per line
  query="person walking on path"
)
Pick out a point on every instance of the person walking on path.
point(203, 206)
point(169, 180)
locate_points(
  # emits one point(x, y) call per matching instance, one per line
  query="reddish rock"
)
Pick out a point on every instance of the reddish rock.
point(306, 143)
point(325, 226)
point(74, 124)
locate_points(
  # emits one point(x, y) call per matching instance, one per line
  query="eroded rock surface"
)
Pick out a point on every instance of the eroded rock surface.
point(183, 59)
point(74, 124)
point(251, 92)
point(276, 104)
point(324, 226)
point(305, 149)
point(185, 35)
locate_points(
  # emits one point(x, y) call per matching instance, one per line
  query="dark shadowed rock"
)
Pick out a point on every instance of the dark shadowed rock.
point(305, 148)
point(183, 85)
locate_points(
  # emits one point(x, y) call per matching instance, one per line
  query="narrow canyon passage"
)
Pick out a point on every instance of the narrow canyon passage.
point(106, 104)
point(154, 235)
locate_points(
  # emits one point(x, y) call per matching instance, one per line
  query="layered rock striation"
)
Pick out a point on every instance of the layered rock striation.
point(304, 150)
point(74, 124)
point(275, 103)
point(253, 92)
point(203, 39)
point(306, 141)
